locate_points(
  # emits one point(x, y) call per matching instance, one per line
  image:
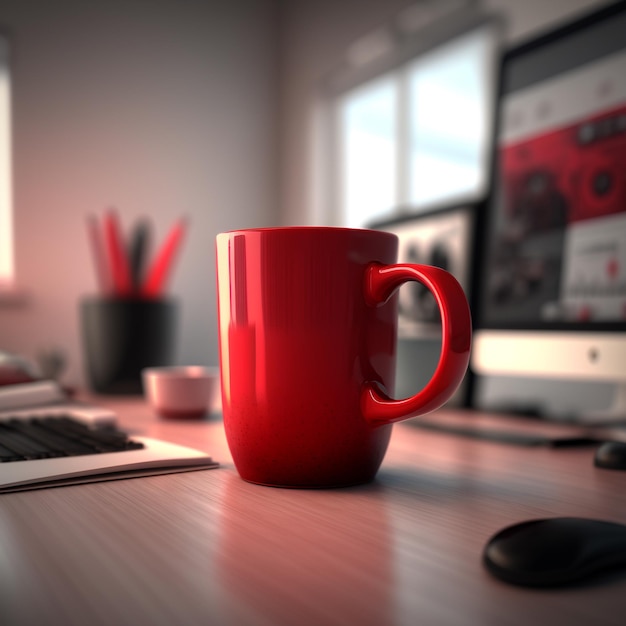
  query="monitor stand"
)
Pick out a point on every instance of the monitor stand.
point(614, 414)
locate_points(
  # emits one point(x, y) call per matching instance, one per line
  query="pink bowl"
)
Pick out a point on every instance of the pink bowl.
point(181, 392)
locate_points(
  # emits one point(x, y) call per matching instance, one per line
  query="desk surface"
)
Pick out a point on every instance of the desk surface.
point(207, 548)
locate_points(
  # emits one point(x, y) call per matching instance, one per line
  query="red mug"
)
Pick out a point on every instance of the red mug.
point(307, 335)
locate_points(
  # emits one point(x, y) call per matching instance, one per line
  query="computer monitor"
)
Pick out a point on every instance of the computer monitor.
point(551, 298)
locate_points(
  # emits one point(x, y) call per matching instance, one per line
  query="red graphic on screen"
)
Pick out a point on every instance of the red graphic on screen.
point(573, 174)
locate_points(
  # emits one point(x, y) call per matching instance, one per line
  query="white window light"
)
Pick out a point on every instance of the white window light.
point(367, 159)
point(6, 195)
point(417, 136)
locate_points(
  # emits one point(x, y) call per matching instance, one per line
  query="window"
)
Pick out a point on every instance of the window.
point(417, 136)
point(6, 208)
point(369, 133)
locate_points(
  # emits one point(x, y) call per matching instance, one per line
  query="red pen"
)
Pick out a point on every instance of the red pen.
point(118, 260)
point(162, 264)
point(96, 244)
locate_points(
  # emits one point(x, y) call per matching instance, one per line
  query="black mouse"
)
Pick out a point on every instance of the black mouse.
point(555, 551)
point(611, 455)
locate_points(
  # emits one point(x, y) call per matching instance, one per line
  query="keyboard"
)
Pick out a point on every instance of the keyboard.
point(71, 444)
point(45, 437)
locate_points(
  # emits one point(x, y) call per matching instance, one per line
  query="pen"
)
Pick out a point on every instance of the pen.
point(162, 264)
point(117, 258)
point(137, 252)
point(96, 244)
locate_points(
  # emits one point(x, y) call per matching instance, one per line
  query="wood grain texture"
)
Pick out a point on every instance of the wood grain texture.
point(207, 548)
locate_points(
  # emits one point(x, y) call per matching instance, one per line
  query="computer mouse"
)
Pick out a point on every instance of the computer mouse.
point(611, 455)
point(555, 551)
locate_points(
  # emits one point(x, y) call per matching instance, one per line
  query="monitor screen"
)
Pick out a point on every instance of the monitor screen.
point(556, 250)
point(553, 253)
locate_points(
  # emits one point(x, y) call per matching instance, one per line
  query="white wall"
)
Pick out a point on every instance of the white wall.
point(159, 108)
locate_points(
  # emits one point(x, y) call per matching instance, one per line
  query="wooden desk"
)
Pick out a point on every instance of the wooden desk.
point(207, 548)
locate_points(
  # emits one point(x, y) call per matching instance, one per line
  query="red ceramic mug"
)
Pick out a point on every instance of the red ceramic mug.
point(307, 331)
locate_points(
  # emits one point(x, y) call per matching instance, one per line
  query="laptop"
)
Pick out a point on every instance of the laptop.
point(46, 440)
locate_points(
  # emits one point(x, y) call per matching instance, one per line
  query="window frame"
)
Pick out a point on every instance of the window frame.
point(402, 51)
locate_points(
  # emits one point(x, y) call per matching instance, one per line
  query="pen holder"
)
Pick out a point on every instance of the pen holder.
point(123, 336)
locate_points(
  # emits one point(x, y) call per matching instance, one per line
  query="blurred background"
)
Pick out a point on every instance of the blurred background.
point(223, 112)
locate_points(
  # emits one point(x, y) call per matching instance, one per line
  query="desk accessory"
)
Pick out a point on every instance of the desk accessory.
point(138, 249)
point(442, 237)
point(515, 430)
point(121, 337)
point(308, 322)
point(611, 455)
point(507, 436)
point(46, 440)
point(119, 267)
point(160, 269)
point(98, 255)
point(30, 393)
point(131, 324)
point(34, 458)
point(181, 392)
point(117, 255)
point(556, 551)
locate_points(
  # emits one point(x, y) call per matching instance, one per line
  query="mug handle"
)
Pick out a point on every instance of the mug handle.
point(456, 321)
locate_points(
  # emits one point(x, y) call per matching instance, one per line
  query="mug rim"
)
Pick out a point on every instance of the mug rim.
point(181, 372)
point(320, 229)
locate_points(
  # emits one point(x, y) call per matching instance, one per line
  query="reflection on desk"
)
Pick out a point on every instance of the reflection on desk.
point(208, 548)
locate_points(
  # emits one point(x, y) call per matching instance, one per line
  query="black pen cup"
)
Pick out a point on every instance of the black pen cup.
point(121, 337)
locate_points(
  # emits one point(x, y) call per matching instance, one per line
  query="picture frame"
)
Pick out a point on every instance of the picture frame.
point(447, 237)
point(442, 237)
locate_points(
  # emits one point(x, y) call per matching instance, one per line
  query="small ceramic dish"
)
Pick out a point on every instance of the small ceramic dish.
point(181, 392)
